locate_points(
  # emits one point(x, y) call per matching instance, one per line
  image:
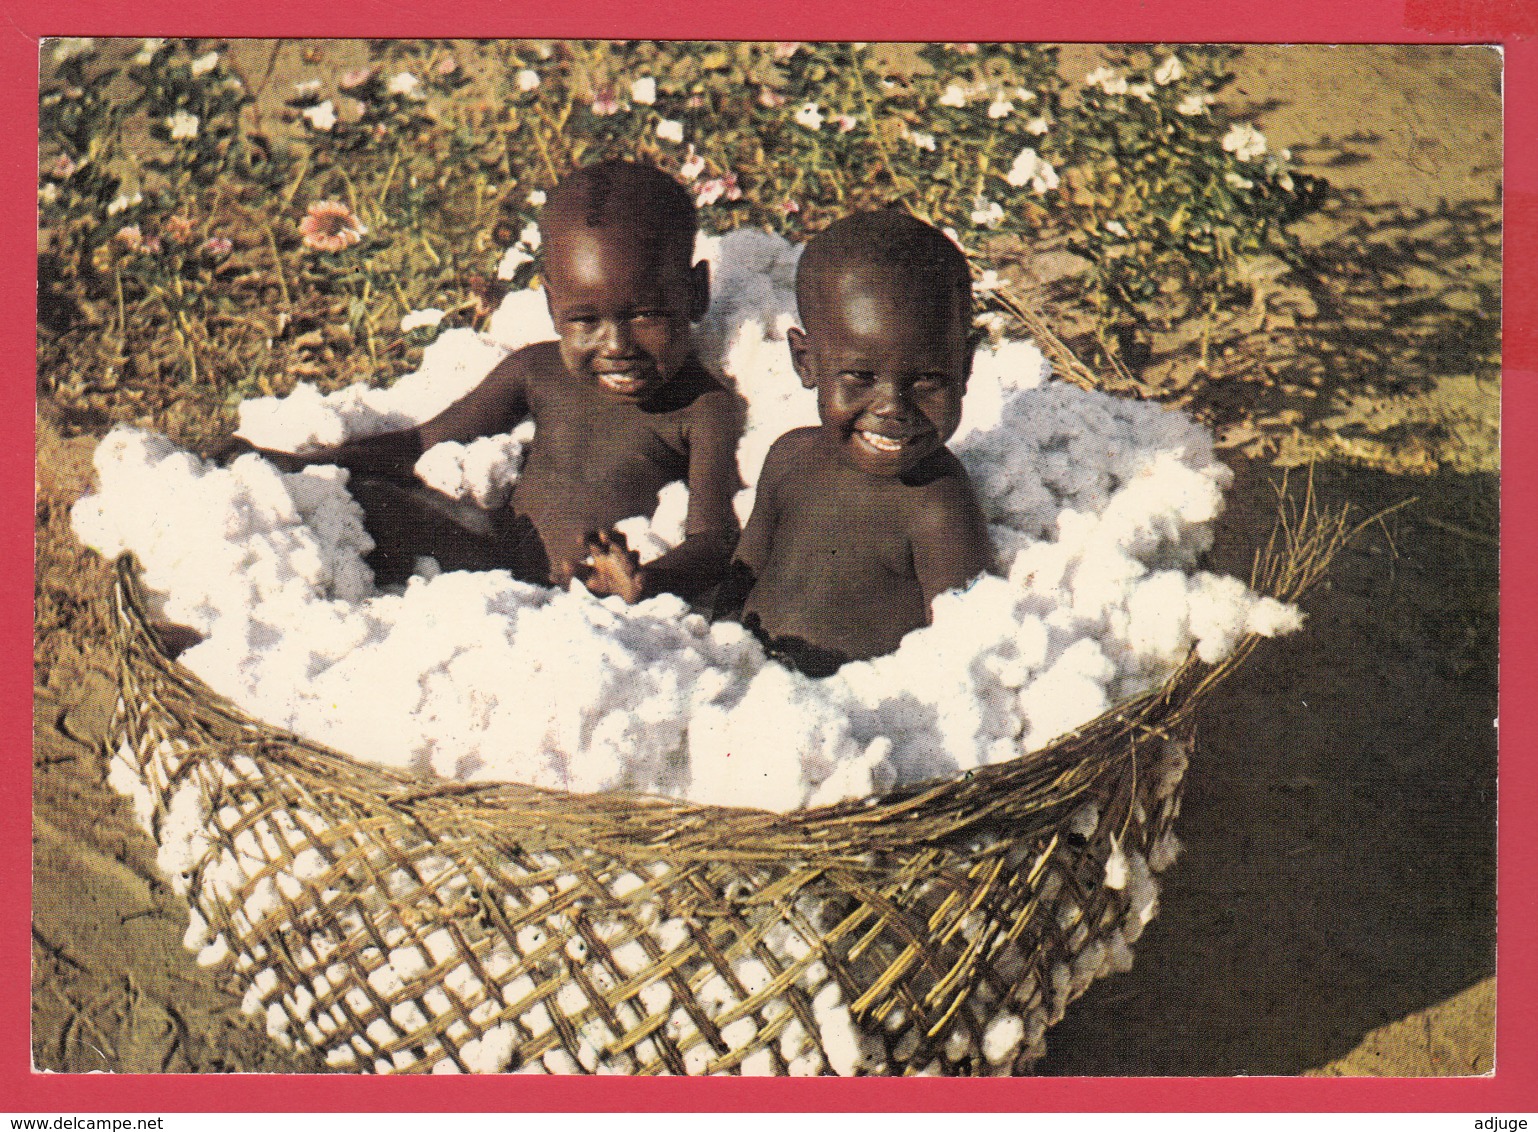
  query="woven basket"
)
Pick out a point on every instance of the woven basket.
point(396, 923)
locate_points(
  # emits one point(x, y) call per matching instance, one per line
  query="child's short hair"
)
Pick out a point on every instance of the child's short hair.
point(640, 197)
point(889, 242)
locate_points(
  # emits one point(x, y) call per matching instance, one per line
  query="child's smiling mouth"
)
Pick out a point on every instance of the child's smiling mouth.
point(624, 380)
point(889, 443)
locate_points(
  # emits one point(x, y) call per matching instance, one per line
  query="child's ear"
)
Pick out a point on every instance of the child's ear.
point(800, 359)
point(699, 290)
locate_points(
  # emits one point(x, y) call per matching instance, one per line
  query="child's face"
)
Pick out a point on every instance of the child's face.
point(622, 305)
point(890, 366)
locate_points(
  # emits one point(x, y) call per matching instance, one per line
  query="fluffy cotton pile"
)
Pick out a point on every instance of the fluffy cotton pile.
point(1099, 509)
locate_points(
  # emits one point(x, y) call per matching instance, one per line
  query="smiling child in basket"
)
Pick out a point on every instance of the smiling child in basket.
point(621, 405)
point(860, 522)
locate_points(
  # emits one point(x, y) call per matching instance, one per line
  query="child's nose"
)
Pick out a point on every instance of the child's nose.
point(614, 336)
point(892, 399)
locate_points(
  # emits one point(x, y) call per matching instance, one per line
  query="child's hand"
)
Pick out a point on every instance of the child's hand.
point(612, 567)
point(237, 446)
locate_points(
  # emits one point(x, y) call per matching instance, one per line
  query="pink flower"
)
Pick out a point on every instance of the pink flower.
point(769, 98)
point(217, 247)
point(446, 66)
point(846, 122)
point(63, 167)
point(352, 80)
point(786, 49)
point(789, 207)
point(178, 228)
point(130, 237)
point(329, 226)
point(717, 188)
point(606, 103)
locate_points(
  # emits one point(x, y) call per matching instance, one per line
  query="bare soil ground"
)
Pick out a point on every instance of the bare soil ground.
point(1334, 910)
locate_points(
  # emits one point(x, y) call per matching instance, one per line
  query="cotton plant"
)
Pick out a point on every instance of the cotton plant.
point(1172, 195)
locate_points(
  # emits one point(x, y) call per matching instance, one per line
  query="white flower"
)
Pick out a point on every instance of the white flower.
point(671, 130)
point(1169, 71)
point(994, 322)
point(537, 198)
point(1116, 228)
point(183, 126)
point(321, 116)
point(1030, 169)
point(146, 54)
point(421, 320)
point(1244, 141)
point(1107, 80)
point(123, 201)
point(404, 83)
point(1284, 182)
point(1141, 90)
point(1193, 104)
point(809, 116)
point(527, 80)
point(1237, 182)
point(987, 213)
point(1023, 95)
point(1000, 108)
point(1037, 126)
point(988, 281)
point(644, 91)
point(514, 258)
point(48, 193)
point(69, 48)
point(307, 89)
point(204, 63)
point(692, 166)
point(955, 95)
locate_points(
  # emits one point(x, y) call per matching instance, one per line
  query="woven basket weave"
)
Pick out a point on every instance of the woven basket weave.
point(397, 923)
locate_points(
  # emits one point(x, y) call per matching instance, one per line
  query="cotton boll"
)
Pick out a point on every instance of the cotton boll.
point(1218, 608)
point(1116, 868)
point(737, 754)
point(1002, 1038)
point(442, 467)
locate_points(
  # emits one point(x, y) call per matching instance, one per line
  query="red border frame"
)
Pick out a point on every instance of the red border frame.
point(1514, 23)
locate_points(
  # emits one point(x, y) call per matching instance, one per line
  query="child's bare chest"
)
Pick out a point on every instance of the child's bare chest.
point(844, 531)
point(583, 436)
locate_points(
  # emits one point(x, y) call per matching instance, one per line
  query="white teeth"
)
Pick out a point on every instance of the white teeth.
point(881, 443)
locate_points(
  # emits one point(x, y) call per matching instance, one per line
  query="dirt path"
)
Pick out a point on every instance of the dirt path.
point(1334, 909)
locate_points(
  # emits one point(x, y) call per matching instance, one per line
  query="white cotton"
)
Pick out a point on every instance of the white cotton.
point(1099, 509)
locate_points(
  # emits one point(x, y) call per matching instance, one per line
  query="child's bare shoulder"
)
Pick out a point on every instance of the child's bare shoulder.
point(942, 514)
point(792, 452)
point(532, 365)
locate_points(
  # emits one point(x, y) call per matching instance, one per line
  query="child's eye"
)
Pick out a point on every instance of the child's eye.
point(860, 377)
point(929, 381)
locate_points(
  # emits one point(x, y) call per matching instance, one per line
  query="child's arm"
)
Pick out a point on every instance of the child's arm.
point(949, 538)
point(494, 406)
